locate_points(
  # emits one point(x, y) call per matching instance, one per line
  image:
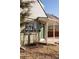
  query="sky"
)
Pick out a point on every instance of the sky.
point(51, 6)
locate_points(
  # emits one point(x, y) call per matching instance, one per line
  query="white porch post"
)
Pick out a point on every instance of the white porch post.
point(54, 31)
point(46, 32)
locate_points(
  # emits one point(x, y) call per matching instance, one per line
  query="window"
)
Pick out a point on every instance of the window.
point(50, 31)
point(32, 26)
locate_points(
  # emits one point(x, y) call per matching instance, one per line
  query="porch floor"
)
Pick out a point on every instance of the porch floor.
point(50, 40)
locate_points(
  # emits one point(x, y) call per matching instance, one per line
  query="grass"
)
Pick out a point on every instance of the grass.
point(40, 51)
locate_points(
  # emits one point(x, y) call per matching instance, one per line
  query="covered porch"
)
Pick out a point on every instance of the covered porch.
point(47, 31)
point(51, 31)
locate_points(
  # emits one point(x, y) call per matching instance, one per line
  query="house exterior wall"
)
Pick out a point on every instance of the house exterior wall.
point(36, 10)
point(24, 38)
point(21, 38)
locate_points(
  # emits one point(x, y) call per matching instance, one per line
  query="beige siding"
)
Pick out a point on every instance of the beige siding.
point(36, 11)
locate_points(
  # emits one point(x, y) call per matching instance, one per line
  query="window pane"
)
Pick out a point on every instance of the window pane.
point(50, 31)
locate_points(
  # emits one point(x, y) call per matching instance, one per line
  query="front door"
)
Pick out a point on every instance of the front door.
point(42, 31)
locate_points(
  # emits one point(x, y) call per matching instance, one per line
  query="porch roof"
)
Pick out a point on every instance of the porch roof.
point(42, 19)
point(53, 21)
point(50, 21)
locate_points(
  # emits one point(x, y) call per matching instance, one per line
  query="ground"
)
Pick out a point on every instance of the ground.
point(40, 51)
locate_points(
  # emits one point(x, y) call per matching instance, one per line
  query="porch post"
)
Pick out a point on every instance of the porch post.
point(54, 31)
point(46, 32)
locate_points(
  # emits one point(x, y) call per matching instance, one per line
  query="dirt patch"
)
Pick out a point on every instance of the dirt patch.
point(40, 52)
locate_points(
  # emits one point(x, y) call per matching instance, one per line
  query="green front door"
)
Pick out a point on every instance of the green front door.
point(42, 29)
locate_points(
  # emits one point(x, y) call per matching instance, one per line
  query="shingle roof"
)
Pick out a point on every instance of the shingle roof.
point(52, 16)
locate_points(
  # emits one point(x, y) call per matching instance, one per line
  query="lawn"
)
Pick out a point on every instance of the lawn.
point(40, 51)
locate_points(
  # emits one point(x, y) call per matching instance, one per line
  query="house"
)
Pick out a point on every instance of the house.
point(51, 29)
point(40, 27)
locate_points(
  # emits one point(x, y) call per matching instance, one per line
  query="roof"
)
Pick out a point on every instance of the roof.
point(51, 19)
point(52, 16)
